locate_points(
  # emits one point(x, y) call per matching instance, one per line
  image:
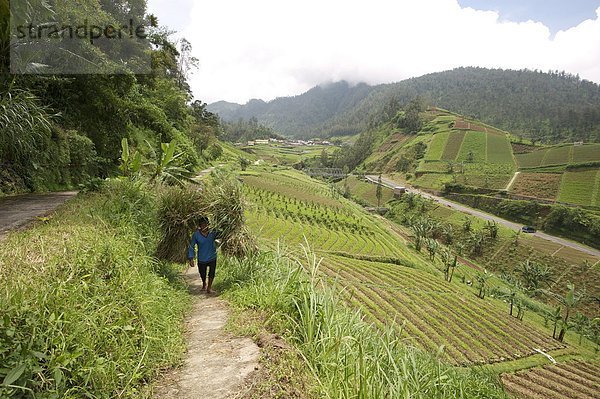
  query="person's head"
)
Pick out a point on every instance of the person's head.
point(203, 223)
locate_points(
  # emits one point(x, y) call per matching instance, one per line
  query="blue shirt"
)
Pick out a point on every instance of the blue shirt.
point(207, 249)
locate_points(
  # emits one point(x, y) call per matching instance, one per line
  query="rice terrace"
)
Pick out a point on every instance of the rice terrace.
point(224, 216)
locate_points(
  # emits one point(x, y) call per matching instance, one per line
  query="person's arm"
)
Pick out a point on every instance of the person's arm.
point(191, 250)
point(218, 236)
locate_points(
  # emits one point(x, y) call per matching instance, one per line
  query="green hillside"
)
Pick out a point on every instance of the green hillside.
point(457, 150)
point(551, 107)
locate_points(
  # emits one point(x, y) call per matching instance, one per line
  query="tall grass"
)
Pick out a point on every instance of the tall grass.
point(84, 309)
point(348, 357)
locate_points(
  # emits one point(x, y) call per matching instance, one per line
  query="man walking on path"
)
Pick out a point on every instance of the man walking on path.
point(207, 253)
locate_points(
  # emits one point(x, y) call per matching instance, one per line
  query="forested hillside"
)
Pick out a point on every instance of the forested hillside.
point(549, 107)
point(58, 131)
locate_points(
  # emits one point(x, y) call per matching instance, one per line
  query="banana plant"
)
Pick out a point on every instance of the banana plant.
point(167, 168)
point(130, 165)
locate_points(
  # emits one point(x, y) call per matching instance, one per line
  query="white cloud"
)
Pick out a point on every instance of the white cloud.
point(269, 48)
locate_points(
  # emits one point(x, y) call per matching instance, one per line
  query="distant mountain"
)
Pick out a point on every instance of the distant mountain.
point(552, 107)
point(307, 115)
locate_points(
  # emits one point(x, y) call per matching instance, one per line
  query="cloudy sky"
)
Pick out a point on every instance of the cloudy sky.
point(270, 48)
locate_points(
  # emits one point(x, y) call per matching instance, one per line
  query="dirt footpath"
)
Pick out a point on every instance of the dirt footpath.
point(216, 364)
point(19, 210)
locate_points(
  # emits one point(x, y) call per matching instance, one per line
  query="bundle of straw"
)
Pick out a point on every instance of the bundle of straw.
point(220, 199)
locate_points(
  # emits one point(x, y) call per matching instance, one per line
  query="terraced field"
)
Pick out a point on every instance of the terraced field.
point(570, 380)
point(365, 191)
point(475, 145)
point(434, 313)
point(539, 185)
point(559, 155)
point(378, 273)
point(288, 208)
point(580, 186)
point(453, 145)
point(437, 145)
point(485, 157)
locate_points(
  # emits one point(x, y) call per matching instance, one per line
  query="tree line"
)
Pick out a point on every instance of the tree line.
point(62, 130)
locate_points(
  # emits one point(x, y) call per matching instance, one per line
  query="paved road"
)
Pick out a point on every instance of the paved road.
point(18, 210)
point(475, 212)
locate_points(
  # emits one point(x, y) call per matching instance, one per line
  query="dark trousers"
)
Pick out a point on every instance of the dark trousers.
point(210, 265)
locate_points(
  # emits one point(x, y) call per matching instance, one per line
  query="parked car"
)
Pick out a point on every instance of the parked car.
point(528, 229)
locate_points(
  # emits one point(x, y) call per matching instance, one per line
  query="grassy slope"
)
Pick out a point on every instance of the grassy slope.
point(86, 310)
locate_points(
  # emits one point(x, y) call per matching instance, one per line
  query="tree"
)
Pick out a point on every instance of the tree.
point(492, 227)
point(534, 275)
point(244, 163)
point(482, 279)
point(580, 324)
point(432, 248)
point(324, 158)
point(187, 63)
point(470, 157)
point(477, 242)
point(467, 222)
point(569, 302)
point(379, 191)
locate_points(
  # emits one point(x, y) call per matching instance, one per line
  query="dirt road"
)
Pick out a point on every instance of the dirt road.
point(216, 364)
point(486, 216)
point(16, 211)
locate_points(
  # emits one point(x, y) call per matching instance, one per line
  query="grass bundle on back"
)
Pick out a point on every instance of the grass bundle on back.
point(220, 199)
point(179, 211)
point(226, 207)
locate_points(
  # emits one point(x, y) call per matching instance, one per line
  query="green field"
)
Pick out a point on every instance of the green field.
point(581, 187)
point(481, 158)
point(474, 144)
point(437, 145)
point(285, 155)
point(289, 209)
point(376, 271)
point(560, 155)
point(499, 150)
point(586, 153)
point(365, 191)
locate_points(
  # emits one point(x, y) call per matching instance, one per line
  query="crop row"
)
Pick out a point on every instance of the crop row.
point(292, 188)
point(436, 313)
point(558, 155)
point(557, 381)
point(586, 153)
point(540, 185)
point(320, 238)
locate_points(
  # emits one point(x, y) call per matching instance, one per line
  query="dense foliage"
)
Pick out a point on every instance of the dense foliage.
point(60, 130)
point(551, 107)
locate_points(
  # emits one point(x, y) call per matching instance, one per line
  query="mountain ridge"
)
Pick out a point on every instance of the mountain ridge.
point(550, 107)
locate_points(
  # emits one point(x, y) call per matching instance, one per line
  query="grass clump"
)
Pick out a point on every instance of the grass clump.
point(84, 308)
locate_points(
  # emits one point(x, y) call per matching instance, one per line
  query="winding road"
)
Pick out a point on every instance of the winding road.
point(486, 216)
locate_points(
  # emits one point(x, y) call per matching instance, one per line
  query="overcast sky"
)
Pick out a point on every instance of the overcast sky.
point(270, 48)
